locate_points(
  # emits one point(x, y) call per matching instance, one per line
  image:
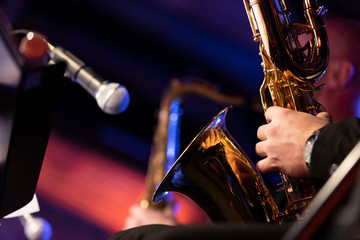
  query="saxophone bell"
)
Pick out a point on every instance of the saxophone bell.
point(209, 172)
point(166, 133)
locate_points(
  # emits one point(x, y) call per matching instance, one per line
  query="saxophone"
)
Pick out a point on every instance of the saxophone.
point(214, 171)
point(166, 131)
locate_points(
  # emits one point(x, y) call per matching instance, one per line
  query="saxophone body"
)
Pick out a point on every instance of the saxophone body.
point(213, 170)
point(290, 70)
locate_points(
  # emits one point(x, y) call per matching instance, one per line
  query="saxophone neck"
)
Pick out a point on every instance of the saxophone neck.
point(271, 26)
point(291, 67)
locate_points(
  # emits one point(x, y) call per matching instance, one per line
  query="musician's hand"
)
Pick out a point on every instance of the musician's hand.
point(140, 216)
point(283, 140)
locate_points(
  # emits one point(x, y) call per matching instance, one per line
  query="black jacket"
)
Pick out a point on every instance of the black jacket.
point(333, 144)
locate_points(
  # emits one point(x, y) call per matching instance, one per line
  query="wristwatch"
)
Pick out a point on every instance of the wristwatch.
point(309, 144)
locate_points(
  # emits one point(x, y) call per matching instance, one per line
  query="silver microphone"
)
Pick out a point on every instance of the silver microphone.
point(111, 97)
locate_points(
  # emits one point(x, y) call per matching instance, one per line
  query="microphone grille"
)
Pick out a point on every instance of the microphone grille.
point(112, 98)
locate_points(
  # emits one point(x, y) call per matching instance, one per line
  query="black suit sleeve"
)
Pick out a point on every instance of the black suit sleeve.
point(334, 142)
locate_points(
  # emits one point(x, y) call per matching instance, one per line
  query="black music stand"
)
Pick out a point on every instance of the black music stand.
point(27, 105)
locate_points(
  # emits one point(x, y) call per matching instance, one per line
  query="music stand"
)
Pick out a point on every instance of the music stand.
point(27, 105)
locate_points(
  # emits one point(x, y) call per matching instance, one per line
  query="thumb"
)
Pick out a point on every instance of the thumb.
point(263, 167)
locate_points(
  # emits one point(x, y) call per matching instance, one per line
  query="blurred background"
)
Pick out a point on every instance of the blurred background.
point(95, 163)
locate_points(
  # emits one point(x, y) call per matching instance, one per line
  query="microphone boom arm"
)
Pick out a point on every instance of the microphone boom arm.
point(111, 97)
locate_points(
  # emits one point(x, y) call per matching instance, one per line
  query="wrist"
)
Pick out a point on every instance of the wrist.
point(308, 147)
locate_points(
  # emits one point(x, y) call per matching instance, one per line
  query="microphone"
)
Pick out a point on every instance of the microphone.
point(111, 97)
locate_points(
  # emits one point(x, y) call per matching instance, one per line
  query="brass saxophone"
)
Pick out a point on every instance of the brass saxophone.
point(213, 170)
point(159, 158)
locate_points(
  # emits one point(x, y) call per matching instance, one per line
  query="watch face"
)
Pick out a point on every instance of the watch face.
point(309, 144)
point(307, 152)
